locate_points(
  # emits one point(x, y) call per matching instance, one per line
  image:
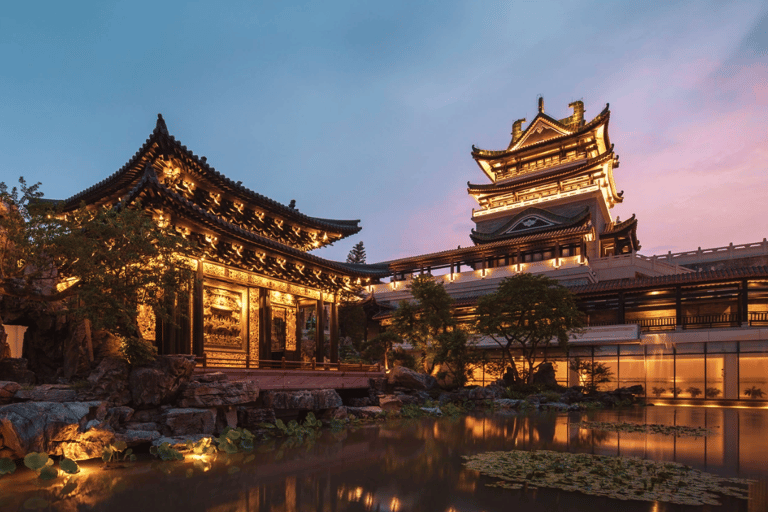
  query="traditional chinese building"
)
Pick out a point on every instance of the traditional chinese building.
point(691, 325)
point(258, 290)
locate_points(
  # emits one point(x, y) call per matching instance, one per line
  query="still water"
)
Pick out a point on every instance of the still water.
point(415, 465)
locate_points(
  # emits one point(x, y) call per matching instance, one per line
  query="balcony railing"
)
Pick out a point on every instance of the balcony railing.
point(669, 323)
point(208, 361)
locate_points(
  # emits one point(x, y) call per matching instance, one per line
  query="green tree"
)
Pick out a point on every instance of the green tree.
point(421, 322)
point(380, 347)
point(102, 264)
point(357, 254)
point(591, 373)
point(456, 355)
point(528, 312)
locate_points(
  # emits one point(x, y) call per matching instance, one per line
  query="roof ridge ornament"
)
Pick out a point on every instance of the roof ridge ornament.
point(541, 104)
point(160, 127)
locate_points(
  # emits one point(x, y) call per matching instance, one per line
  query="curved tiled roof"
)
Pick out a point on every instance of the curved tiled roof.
point(192, 211)
point(690, 278)
point(437, 258)
point(533, 179)
point(159, 142)
point(559, 220)
point(617, 227)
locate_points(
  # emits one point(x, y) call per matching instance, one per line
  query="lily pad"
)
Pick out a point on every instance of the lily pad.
point(624, 478)
point(7, 466)
point(36, 461)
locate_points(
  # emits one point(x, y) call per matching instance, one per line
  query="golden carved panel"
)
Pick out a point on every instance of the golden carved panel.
point(253, 323)
point(224, 317)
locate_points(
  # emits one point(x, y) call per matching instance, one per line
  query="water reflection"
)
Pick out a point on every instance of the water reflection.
point(415, 465)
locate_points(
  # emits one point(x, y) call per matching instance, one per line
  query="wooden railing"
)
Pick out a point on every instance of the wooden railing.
point(663, 323)
point(758, 318)
point(207, 361)
point(669, 323)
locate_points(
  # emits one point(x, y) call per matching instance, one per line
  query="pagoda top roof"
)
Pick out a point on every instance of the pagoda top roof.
point(526, 140)
point(162, 144)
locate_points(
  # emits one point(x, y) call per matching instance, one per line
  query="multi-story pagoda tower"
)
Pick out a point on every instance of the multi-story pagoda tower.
point(555, 177)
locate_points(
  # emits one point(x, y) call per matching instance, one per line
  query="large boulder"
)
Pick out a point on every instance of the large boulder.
point(365, 412)
point(47, 393)
point(545, 375)
point(160, 381)
point(109, 381)
point(138, 437)
point(48, 427)
point(218, 393)
point(251, 417)
point(390, 403)
point(315, 400)
point(7, 390)
point(403, 377)
point(188, 421)
point(88, 444)
point(15, 370)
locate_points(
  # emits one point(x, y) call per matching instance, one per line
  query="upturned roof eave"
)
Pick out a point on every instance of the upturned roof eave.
point(223, 228)
point(159, 140)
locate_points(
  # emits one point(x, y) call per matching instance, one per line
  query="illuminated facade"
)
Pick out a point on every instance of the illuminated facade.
point(259, 292)
point(684, 326)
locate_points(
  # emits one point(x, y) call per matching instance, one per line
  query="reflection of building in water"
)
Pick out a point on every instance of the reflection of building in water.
point(254, 267)
point(690, 326)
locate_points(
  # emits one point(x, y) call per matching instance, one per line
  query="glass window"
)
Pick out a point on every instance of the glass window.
point(720, 347)
point(689, 348)
point(753, 346)
point(610, 361)
point(753, 376)
point(631, 350)
point(690, 376)
point(660, 372)
point(715, 372)
point(631, 370)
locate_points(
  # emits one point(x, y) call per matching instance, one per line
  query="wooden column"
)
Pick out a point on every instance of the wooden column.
point(678, 306)
point(334, 328)
point(265, 325)
point(320, 330)
point(744, 302)
point(198, 345)
point(621, 314)
point(299, 324)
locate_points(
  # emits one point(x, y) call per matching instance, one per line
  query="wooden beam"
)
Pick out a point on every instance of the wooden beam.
point(334, 328)
point(197, 312)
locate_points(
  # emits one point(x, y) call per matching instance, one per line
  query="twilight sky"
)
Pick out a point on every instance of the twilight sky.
point(368, 110)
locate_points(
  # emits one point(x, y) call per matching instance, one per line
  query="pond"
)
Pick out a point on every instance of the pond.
point(404, 465)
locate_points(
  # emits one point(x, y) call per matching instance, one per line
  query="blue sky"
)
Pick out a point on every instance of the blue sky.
point(368, 110)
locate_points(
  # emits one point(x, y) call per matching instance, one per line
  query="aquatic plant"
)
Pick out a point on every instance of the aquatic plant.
point(40, 463)
point(624, 478)
point(111, 452)
point(647, 428)
point(233, 440)
point(166, 452)
point(7, 466)
point(69, 466)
